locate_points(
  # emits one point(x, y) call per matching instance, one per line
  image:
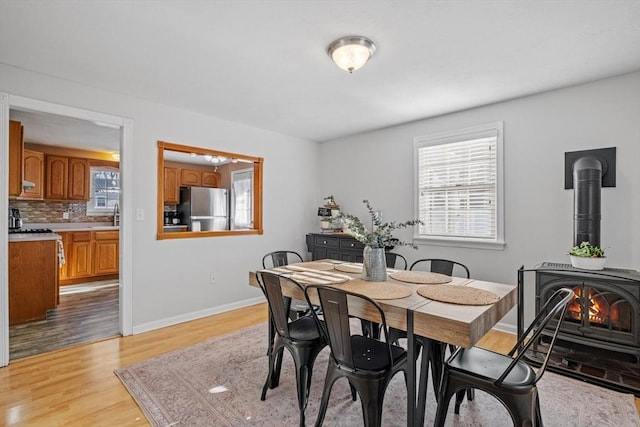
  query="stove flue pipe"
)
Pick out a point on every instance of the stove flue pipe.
point(587, 184)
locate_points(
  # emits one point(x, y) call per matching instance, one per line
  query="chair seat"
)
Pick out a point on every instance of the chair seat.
point(489, 366)
point(304, 328)
point(371, 355)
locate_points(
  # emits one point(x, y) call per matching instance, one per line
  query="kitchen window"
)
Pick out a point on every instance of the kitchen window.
point(459, 187)
point(105, 190)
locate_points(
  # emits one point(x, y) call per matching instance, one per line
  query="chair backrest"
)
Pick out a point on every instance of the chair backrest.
point(394, 258)
point(335, 304)
point(280, 258)
point(442, 266)
point(554, 308)
point(271, 285)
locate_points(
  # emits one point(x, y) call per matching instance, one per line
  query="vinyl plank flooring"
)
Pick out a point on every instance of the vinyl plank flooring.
point(80, 318)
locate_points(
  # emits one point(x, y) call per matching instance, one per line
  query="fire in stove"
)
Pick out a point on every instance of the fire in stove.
point(598, 309)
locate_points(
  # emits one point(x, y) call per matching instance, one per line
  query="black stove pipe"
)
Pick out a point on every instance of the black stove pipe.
point(587, 184)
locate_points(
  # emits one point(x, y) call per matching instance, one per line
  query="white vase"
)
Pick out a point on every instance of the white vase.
point(588, 263)
point(374, 264)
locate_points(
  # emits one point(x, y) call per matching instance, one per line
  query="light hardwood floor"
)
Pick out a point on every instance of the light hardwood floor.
point(77, 387)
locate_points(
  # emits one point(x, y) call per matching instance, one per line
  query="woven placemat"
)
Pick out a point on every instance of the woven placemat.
point(377, 290)
point(463, 295)
point(311, 266)
point(349, 268)
point(422, 277)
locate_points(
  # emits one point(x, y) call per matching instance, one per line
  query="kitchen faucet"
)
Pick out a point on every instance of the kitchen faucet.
point(116, 214)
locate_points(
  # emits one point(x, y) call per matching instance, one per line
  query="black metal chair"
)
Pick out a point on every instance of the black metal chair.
point(301, 337)
point(442, 266)
point(393, 259)
point(367, 363)
point(298, 308)
point(510, 379)
point(437, 349)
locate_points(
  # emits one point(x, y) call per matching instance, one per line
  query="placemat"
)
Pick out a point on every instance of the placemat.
point(377, 290)
point(462, 295)
point(348, 268)
point(312, 265)
point(422, 277)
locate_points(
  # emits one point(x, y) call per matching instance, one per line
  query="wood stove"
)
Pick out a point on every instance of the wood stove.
point(599, 339)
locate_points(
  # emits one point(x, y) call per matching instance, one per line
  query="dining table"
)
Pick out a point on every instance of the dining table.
point(430, 307)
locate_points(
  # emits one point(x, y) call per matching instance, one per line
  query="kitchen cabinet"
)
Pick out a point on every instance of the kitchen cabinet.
point(89, 256)
point(16, 147)
point(78, 179)
point(210, 179)
point(34, 173)
point(171, 186)
point(190, 178)
point(33, 279)
point(340, 246)
point(106, 252)
point(66, 178)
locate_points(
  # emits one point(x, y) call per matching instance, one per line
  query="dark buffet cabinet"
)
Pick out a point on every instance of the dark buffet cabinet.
point(340, 246)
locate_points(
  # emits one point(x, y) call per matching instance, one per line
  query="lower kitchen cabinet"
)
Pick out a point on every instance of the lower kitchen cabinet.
point(89, 256)
point(340, 246)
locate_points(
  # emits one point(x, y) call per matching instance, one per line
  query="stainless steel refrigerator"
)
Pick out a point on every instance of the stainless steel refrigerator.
point(204, 209)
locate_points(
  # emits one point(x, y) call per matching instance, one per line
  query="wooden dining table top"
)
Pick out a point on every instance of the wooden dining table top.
point(460, 325)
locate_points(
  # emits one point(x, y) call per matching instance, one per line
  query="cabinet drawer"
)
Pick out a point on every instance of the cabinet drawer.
point(350, 244)
point(107, 235)
point(81, 236)
point(326, 242)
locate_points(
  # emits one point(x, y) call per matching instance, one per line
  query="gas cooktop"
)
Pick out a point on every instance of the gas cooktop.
point(29, 230)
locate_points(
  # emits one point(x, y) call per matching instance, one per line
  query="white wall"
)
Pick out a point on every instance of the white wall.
point(171, 277)
point(538, 210)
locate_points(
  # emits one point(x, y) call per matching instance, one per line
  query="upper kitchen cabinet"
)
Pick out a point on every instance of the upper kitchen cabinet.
point(219, 193)
point(67, 178)
point(171, 186)
point(16, 147)
point(34, 174)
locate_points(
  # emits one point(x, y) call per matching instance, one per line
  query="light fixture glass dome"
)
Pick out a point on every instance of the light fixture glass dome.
point(351, 53)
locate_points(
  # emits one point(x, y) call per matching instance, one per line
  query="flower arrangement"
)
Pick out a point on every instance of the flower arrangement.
point(587, 250)
point(381, 236)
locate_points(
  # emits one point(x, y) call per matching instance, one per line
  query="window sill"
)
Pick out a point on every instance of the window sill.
point(496, 245)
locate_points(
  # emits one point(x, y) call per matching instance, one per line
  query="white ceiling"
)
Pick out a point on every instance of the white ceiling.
point(264, 62)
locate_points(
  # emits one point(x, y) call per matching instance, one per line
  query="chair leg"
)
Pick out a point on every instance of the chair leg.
point(330, 378)
point(275, 379)
point(272, 381)
point(371, 397)
point(444, 395)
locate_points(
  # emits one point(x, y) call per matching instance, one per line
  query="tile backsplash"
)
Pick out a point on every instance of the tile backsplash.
point(42, 211)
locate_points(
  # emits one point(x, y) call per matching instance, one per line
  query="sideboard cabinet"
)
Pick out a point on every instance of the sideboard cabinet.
point(340, 246)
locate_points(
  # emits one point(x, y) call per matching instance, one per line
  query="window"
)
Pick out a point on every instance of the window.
point(242, 199)
point(459, 194)
point(105, 190)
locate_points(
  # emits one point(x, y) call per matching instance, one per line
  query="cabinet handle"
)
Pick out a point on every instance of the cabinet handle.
point(352, 245)
point(324, 242)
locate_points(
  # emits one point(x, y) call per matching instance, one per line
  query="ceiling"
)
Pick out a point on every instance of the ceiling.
point(264, 63)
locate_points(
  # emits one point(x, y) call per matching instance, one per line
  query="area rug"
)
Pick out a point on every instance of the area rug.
point(218, 383)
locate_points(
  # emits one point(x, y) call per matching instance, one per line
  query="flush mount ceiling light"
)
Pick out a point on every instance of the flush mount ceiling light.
point(351, 53)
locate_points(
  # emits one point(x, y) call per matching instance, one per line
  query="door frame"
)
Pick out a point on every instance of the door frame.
point(8, 101)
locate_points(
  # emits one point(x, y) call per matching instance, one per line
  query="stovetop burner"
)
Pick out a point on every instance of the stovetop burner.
point(30, 231)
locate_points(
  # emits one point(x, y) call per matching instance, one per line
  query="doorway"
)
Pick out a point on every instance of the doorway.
point(10, 103)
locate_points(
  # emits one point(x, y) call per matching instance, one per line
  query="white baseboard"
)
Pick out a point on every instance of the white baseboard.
point(170, 321)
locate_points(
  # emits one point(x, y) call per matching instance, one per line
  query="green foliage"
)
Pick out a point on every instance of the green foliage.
point(587, 250)
point(382, 234)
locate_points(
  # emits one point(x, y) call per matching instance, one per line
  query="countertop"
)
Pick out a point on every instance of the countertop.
point(33, 237)
point(74, 226)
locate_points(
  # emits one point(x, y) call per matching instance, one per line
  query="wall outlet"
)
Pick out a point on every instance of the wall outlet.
point(65, 215)
point(212, 279)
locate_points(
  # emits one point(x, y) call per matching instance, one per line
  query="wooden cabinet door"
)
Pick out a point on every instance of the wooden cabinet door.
point(57, 175)
point(78, 179)
point(81, 256)
point(16, 146)
point(33, 172)
point(210, 179)
point(171, 186)
point(190, 178)
point(106, 253)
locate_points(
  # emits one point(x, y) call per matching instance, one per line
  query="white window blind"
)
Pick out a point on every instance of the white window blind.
point(458, 185)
